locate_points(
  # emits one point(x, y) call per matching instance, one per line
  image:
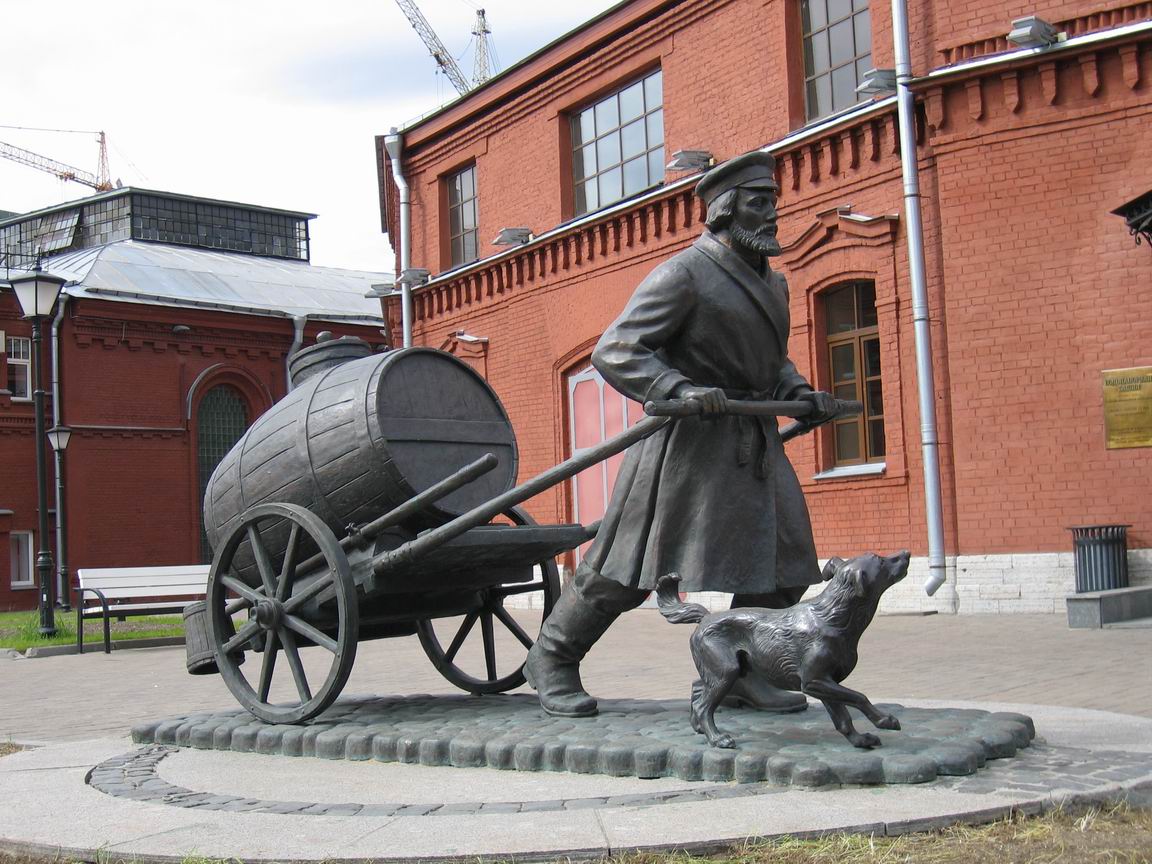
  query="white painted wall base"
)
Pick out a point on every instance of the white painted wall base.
point(983, 584)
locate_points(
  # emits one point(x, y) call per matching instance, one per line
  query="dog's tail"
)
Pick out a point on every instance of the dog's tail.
point(672, 607)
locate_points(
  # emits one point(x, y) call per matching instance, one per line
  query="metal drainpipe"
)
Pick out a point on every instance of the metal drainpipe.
point(298, 322)
point(394, 145)
point(63, 589)
point(925, 383)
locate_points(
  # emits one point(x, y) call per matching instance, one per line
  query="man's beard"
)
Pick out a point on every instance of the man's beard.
point(762, 241)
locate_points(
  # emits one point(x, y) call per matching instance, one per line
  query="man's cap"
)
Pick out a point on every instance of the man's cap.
point(755, 170)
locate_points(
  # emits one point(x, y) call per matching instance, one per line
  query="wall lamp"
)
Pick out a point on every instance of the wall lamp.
point(414, 277)
point(691, 160)
point(513, 237)
point(878, 82)
point(1137, 215)
point(464, 336)
point(181, 329)
point(1033, 32)
point(381, 289)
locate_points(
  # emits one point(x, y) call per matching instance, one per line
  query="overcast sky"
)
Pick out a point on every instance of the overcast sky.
point(272, 102)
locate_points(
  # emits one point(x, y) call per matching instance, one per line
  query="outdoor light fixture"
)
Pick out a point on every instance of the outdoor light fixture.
point(878, 82)
point(37, 292)
point(464, 336)
point(1033, 32)
point(690, 160)
point(513, 237)
point(181, 329)
point(1137, 214)
point(414, 277)
point(382, 289)
point(58, 437)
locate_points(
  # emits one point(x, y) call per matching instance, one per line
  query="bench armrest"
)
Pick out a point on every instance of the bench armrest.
point(80, 619)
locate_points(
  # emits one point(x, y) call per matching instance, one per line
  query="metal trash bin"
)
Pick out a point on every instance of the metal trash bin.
point(1101, 557)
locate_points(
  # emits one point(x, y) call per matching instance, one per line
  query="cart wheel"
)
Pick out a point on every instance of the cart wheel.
point(275, 621)
point(506, 672)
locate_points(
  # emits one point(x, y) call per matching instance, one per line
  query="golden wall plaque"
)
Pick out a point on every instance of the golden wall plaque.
point(1128, 407)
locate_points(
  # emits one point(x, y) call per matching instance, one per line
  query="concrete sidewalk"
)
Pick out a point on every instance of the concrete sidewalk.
point(302, 808)
point(1034, 659)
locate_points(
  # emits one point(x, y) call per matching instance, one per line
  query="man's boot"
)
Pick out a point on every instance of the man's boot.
point(553, 666)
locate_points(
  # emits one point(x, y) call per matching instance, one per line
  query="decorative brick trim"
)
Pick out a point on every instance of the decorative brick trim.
point(1089, 22)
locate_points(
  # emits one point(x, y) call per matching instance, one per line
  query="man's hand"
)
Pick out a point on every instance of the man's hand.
point(823, 406)
point(713, 399)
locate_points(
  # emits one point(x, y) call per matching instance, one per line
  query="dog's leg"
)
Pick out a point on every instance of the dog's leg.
point(825, 689)
point(718, 669)
point(843, 722)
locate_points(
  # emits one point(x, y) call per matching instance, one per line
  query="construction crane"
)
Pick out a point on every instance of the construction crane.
point(99, 181)
point(440, 54)
point(480, 65)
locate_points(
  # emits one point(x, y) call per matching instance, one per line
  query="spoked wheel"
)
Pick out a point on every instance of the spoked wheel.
point(487, 646)
point(275, 609)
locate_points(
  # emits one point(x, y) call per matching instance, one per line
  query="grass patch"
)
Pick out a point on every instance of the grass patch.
point(18, 630)
point(7, 748)
point(1115, 834)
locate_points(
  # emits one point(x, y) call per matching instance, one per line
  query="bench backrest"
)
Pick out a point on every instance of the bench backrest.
point(118, 583)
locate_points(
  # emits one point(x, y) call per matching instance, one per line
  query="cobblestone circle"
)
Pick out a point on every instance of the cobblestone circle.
point(640, 738)
point(1042, 774)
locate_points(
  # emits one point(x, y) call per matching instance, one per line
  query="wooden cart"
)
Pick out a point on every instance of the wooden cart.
point(376, 500)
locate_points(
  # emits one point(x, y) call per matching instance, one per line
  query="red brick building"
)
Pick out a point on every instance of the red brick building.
point(1034, 288)
point(172, 336)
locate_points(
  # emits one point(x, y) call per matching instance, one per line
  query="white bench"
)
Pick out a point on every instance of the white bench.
point(124, 592)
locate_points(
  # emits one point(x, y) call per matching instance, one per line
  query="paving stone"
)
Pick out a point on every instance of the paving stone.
point(629, 738)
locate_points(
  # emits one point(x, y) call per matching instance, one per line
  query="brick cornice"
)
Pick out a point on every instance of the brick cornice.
point(859, 147)
point(158, 337)
point(1105, 16)
point(1035, 89)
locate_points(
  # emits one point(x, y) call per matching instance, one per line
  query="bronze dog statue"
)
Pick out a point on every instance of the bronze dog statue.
point(809, 647)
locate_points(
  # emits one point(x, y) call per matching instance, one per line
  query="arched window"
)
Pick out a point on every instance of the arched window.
point(220, 422)
point(596, 413)
point(854, 366)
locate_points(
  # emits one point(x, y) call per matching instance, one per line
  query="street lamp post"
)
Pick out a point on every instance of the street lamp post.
point(58, 437)
point(37, 292)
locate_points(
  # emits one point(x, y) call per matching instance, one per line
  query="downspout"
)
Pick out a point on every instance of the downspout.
point(63, 589)
point(394, 145)
point(298, 323)
point(925, 383)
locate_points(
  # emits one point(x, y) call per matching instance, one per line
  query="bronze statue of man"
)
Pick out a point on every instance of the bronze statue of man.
point(712, 498)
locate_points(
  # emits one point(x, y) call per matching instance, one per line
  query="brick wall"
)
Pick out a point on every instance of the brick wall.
point(1034, 288)
point(131, 476)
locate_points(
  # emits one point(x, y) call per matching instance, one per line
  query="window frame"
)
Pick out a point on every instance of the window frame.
point(810, 72)
point(10, 362)
point(651, 156)
point(13, 582)
point(450, 185)
point(856, 338)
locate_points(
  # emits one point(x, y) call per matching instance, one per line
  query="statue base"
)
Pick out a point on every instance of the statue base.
point(629, 738)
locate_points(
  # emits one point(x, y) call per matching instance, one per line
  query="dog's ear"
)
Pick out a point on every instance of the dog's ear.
point(859, 588)
point(831, 568)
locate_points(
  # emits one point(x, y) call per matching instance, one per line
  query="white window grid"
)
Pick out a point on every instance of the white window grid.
point(19, 380)
point(21, 571)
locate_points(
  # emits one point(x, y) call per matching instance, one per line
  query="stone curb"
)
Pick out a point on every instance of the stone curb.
point(1139, 793)
point(96, 647)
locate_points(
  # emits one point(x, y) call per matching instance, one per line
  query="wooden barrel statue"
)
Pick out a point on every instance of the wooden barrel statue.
point(357, 439)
